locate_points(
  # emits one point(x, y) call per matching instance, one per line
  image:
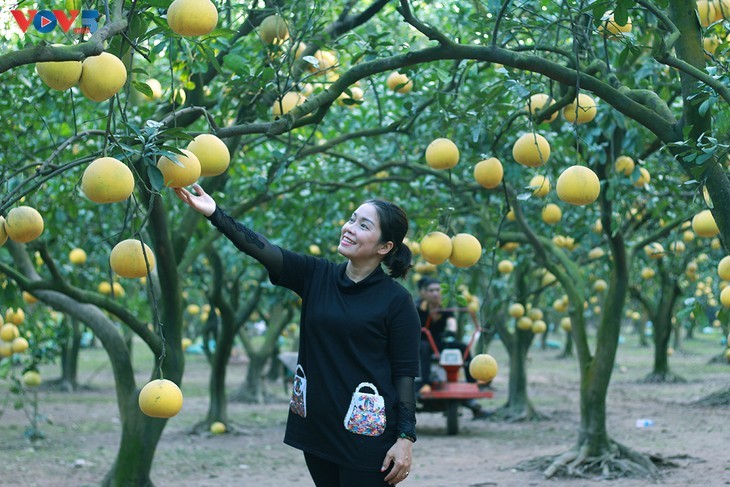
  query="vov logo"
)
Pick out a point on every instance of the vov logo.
point(45, 21)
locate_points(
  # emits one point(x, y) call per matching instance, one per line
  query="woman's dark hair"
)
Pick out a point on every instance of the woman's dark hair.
point(393, 228)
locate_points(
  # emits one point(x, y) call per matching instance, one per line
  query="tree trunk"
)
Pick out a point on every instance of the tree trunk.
point(252, 390)
point(518, 405)
point(218, 403)
point(70, 355)
point(662, 318)
point(140, 436)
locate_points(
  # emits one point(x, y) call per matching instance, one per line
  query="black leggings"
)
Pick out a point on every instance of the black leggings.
point(329, 474)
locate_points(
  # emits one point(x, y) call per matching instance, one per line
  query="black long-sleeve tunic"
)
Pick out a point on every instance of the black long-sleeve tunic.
point(349, 333)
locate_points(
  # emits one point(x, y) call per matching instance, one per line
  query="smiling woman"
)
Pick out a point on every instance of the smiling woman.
point(352, 410)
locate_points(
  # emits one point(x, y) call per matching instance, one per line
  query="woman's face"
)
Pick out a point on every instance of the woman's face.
point(360, 235)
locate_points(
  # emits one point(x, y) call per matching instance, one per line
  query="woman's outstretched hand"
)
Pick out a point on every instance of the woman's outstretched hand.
point(201, 201)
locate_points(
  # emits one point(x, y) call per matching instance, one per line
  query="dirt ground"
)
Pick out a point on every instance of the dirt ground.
point(82, 437)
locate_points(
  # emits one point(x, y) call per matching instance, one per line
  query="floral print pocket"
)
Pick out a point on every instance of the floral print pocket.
point(366, 415)
point(298, 402)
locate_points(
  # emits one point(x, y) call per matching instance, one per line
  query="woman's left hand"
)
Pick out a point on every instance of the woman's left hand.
point(399, 455)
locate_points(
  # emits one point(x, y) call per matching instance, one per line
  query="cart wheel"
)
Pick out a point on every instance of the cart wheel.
point(452, 418)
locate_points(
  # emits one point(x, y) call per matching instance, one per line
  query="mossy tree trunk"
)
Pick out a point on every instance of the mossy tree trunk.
point(70, 347)
point(252, 389)
point(661, 314)
point(517, 343)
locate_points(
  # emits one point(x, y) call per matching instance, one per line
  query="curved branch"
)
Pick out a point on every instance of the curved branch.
point(665, 130)
point(93, 47)
point(428, 31)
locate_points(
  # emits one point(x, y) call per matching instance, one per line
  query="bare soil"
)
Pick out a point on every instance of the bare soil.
point(82, 431)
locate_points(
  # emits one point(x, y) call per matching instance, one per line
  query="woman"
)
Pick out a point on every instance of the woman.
point(353, 408)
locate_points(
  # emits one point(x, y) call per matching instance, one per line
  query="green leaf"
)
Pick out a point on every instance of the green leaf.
point(155, 176)
point(143, 88)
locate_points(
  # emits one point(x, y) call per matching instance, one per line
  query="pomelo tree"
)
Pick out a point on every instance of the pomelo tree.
point(235, 83)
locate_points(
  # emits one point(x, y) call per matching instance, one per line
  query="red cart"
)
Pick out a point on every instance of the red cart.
point(447, 395)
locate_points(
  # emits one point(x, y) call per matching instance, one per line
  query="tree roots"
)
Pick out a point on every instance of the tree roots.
point(618, 461)
point(719, 398)
point(662, 378)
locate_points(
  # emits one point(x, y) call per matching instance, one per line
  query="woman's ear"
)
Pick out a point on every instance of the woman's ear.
point(386, 248)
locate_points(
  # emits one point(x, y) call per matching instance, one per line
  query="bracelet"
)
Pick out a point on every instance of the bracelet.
point(406, 436)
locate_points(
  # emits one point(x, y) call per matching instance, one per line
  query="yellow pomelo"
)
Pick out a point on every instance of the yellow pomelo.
point(612, 29)
point(287, 103)
point(160, 398)
point(3, 232)
point(483, 367)
point(59, 75)
point(442, 153)
point(436, 248)
point(9, 332)
point(566, 324)
point(723, 268)
point(505, 266)
point(548, 279)
point(538, 326)
point(551, 214)
point(212, 154)
point(465, 250)
point(181, 174)
point(540, 185)
point(511, 216)
point(273, 30)
point(185, 343)
point(538, 102)
point(217, 428)
point(725, 297)
point(647, 273)
point(156, 88)
point(15, 316)
point(192, 17)
point(102, 76)
point(24, 224)
point(104, 287)
point(703, 224)
point(706, 12)
point(77, 256)
point(531, 150)
point(326, 60)
point(193, 309)
point(578, 185)
point(107, 180)
point(118, 289)
point(489, 172)
point(32, 378)
point(722, 9)
point(654, 250)
point(596, 253)
point(29, 298)
point(600, 285)
point(399, 82)
point(643, 179)
point(524, 323)
point(677, 247)
point(624, 165)
point(535, 314)
point(356, 94)
point(128, 259)
point(516, 310)
point(580, 110)
point(20, 345)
